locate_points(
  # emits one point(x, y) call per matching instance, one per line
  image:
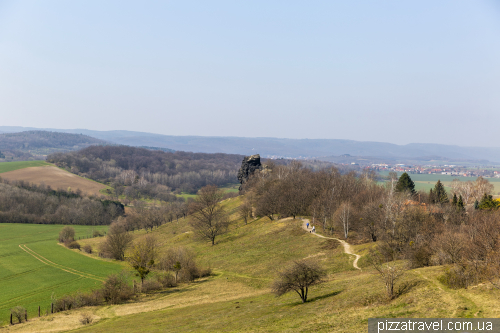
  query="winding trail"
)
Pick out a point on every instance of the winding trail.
point(347, 247)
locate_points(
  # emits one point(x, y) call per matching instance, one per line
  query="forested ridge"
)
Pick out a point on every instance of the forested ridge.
point(35, 144)
point(139, 172)
point(21, 202)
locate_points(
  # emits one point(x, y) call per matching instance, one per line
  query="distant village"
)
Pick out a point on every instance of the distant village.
point(452, 170)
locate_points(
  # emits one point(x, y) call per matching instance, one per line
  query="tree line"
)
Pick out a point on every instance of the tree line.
point(139, 172)
point(21, 202)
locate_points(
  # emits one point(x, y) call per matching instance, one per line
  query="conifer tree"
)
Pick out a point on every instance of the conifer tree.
point(405, 184)
point(454, 202)
point(460, 203)
point(440, 195)
point(476, 204)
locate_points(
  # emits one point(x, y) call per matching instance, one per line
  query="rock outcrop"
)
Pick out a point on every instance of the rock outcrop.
point(248, 167)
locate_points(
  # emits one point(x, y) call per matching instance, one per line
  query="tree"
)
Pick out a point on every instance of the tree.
point(67, 234)
point(116, 242)
point(384, 263)
point(405, 184)
point(439, 194)
point(298, 277)
point(460, 204)
point(245, 211)
point(209, 219)
point(181, 261)
point(143, 255)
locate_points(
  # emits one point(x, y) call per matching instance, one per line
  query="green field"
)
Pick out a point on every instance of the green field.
point(426, 182)
point(11, 166)
point(41, 269)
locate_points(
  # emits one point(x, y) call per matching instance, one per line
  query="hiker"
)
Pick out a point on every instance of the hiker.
point(314, 229)
point(307, 225)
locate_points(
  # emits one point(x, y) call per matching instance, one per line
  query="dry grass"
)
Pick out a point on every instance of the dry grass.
point(56, 178)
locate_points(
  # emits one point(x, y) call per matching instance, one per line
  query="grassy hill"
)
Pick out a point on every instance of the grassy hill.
point(238, 299)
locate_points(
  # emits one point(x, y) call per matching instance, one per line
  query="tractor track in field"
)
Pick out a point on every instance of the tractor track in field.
point(58, 266)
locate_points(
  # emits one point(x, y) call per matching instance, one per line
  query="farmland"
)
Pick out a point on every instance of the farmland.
point(53, 177)
point(34, 267)
point(11, 166)
point(427, 181)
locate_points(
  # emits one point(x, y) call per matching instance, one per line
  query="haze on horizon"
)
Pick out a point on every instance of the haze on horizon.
point(399, 72)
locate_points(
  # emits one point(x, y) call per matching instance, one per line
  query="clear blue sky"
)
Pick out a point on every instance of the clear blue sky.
point(392, 71)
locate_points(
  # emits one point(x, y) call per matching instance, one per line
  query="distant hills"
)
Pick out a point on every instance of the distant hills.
point(324, 149)
point(35, 144)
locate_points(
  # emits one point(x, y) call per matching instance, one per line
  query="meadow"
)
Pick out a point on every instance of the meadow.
point(237, 298)
point(34, 268)
point(11, 166)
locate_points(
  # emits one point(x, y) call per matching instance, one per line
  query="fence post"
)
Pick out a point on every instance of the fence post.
point(26, 315)
point(11, 319)
point(64, 305)
point(51, 307)
point(39, 311)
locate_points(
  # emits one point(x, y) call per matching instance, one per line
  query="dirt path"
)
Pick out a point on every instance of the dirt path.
point(347, 247)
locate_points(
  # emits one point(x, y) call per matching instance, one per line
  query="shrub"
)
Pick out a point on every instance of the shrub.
point(86, 318)
point(74, 245)
point(458, 276)
point(116, 289)
point(97, 233)
point(150, 285)
point(166, 279)
point(87, 248)
point(91, 298)
point(18, 312)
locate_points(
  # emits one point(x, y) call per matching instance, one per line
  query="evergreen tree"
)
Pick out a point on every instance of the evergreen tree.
point(487, 202)
point(405, 184)
point(460, 203)
point(454, 202)
point(476, 204)
point(440, 196)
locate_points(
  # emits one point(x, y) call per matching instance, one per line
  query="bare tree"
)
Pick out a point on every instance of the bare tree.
point(389, 271)
point(298, 277)
point(209, 219)
point(143, 255)
point(343, 215)
point(116, 242)
point(180, 260)
point(245, 211)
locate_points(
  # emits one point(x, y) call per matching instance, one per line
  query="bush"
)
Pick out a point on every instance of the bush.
point(66, 302)
point(87, 248)
point(74, 245)
point(166, 279)
point(116, 289)
point(458, 276)
point(19, 313)
point(86, 318)
point(97, 233)
point(151, 285)
point(91, 298)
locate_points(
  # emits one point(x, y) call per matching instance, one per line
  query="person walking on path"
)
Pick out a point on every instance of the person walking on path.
point(314, 229)
point(307, 225)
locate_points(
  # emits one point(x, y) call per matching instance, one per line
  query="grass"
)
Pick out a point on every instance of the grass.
point(238, 298)
point(30, 280)
point(11, 166)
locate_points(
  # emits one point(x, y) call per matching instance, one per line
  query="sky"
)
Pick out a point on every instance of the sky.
point(402, 72)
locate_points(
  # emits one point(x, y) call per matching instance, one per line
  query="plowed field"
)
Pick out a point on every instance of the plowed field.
point(56, 178)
